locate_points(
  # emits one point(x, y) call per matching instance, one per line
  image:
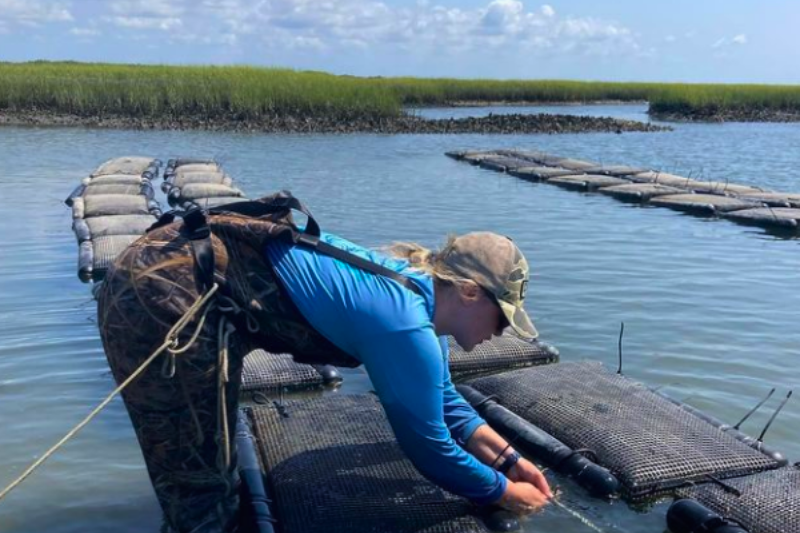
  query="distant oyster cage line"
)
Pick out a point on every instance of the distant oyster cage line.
point(272, 99)
point(777, 212)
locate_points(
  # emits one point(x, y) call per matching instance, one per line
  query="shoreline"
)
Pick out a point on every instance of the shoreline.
point(743, 116)
point(405, 124)
point(528, 103)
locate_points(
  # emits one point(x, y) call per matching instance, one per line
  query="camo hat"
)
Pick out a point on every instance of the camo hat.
point(496, 264)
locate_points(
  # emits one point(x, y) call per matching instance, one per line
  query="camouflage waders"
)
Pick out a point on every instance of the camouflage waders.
point(175, 404)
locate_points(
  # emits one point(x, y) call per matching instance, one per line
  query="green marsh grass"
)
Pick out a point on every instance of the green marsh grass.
point(251, 93)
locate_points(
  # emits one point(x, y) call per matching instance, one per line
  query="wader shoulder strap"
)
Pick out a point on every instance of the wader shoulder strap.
point(283, 202)
point(356, 261)
point(199, 234)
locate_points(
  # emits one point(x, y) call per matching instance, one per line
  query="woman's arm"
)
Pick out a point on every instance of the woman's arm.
point(487, 445)
point(484, 443)
point(406, 369)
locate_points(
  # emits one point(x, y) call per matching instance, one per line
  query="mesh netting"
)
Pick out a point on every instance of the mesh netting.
point(701, 203)
point(777, 199)
point(663, 178)
point(125, 165)
point(209, 203)
point(187, 178)
point(767, 216)
point(541, 173)
point(117, 179)
point(119, 225)
point(209, 166)
point(614, 170)
point(768, 502)
point(586, 182)
point(193, 191)
point(648, 442)
point(123, 188)
point(333, 464)
point(639, 192)
point(575, 164)
point(500, 353)
point(265, 371)
point(722, 187)
point(502, 163)
point(106, 249)
point(115, 204)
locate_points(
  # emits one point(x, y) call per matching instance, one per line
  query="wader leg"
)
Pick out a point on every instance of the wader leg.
point(176, 418)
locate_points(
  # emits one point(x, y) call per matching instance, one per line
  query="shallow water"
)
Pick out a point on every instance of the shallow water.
point(711, 309)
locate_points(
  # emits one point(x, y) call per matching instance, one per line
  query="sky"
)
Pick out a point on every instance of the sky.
point(721, 41)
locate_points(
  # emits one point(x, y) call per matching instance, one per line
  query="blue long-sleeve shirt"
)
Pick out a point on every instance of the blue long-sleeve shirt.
point(389, 329)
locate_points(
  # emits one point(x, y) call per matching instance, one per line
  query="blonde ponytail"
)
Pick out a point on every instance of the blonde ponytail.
point(426, 260)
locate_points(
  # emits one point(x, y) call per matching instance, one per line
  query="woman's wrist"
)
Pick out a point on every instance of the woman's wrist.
point(509, 461)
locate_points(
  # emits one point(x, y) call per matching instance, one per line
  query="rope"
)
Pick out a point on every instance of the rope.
point(585, 521)
point(170, 343)
point(223, 335)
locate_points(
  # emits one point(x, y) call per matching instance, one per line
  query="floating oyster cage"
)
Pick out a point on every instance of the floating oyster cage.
point(778, 212)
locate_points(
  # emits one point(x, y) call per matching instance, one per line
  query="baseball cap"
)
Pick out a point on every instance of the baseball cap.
point(496, 264)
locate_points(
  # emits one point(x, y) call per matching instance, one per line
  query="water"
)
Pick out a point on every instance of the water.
point(711, 309)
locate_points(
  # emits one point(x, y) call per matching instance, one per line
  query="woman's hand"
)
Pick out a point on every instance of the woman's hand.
point(521, 497)
point(526, 471)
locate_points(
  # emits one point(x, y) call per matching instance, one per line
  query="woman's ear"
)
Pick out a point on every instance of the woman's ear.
point(469, 292)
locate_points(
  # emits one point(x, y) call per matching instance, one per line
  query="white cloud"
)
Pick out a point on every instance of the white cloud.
point(148, 8)
point(33, 13)
point(670, 38)
point(502, 16)
point(146, 23)
point(84, 32)
point(723, 42)
point(420, 27)
point(163, 15)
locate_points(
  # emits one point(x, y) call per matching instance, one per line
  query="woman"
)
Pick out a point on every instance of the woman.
point(323, 299)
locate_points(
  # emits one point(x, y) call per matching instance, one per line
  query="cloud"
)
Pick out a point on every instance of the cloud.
point(724, 42)
point(84, 32)
point(147, 23)
point(33, 13)
point(337, 26)
point(502, 16)
point(429, 27)
point(670, 38)
point(148, 8)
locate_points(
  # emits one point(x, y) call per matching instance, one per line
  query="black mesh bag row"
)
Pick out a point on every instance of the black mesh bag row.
point(650, 443)
point(761, 503)
point(333, 464)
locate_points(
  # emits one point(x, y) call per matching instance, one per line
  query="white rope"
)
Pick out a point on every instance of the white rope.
point(585, 521)
point(170, 343)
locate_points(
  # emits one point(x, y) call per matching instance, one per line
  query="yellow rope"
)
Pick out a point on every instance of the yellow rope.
point(170, 341)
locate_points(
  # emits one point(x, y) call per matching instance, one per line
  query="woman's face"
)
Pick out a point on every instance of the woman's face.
point(478, 318)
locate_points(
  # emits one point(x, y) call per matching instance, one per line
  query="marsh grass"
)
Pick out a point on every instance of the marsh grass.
point(250, 93)
point(157, 91)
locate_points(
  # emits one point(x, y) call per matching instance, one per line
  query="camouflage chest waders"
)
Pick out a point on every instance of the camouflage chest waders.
point(176, 413)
